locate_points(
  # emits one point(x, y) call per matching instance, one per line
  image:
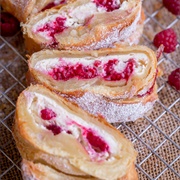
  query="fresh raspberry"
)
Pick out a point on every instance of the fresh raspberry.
point(47, 114)
point(97, 143)
point(174, 79)
point(173, 6)
point(54, 128)
point(168, 38)
point(9, 25)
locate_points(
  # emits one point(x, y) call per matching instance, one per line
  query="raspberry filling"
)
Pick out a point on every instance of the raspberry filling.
point(96, 143)
point(109, 5)
point(112, 75)
point(53, 27)
point(54, 128)
point(47, 114)
point(80, 71)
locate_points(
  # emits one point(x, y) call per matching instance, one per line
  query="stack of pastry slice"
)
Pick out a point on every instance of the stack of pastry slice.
point(58, 140)
point(89, 77)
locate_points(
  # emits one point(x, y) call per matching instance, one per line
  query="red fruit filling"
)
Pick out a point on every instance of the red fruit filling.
point(47, 114)
point(109, 5)
point(54, 128)
point(112, 75)
point(9, 25)
point(174, 79)
point(80, 71)
point(96, 142)
point(54, 27)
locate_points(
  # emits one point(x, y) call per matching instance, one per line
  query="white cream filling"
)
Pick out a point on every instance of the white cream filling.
point(36, 102)
point(74, 17)
point(141, 61)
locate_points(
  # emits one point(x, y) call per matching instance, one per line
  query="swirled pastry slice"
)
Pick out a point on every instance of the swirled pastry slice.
point(47, 127)
point(114, 73)
point(84, 25)
point(39, 171)
point(22, 9)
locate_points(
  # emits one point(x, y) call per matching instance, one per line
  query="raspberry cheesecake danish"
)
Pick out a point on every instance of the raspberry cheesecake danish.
point(85, 25)
point(114, 73)
point(22, 9)
point(56, 133)
point(117, 83)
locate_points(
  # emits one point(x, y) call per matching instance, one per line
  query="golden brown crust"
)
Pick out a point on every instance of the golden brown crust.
point(104, 30)
point(27, 134)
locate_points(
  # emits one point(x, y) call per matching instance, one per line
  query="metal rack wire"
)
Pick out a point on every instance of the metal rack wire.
point(156, 137)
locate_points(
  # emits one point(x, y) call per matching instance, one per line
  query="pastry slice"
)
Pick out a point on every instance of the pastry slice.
point(53, 131)
point(22, 9)
point(114, 73)
point(118, 84)
point(85, 25)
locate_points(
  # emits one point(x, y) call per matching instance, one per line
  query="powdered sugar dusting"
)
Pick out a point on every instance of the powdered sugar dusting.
point(112, 112)
point(124, 36)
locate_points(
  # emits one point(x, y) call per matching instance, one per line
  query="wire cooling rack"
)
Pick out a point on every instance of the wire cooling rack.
point(156, 137)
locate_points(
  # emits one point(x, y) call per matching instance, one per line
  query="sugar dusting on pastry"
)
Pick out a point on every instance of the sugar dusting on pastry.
point(112, 112)
point(116, 36)
point(71, 38)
